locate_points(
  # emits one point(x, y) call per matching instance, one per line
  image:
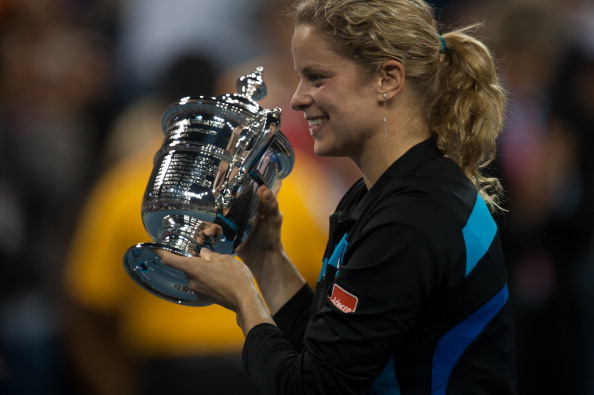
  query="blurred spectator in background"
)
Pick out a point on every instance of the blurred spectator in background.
point(55, 90)
point(573, 103)
point(545, 159)
point(153, 32)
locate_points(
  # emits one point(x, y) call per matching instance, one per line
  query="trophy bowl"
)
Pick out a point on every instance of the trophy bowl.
point(202, 191)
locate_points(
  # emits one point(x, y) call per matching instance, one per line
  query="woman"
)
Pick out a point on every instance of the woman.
point(412, 295)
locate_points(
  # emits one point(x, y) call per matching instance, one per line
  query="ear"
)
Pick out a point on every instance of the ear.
point(392, 76)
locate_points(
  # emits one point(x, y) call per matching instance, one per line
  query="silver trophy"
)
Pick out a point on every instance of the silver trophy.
point(202, 191)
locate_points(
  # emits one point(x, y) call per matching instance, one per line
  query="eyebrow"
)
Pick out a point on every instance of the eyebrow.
point(317, 69)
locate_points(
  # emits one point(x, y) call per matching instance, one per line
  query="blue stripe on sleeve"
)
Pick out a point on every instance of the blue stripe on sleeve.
point(479, 233)
point(336, 257)
point(451, 346)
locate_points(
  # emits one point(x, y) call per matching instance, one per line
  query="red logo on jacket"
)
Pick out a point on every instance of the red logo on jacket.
point(343, 300)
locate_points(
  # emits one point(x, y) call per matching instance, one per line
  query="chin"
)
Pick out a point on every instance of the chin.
point(320, 151)
point(324, 149)
point(325, 153)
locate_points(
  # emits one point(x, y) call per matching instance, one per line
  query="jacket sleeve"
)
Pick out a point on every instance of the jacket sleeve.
point(389, 279)
point(293, 317)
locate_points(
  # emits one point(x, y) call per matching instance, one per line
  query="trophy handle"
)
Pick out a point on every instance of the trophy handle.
point(262, 138)
point(263, 142)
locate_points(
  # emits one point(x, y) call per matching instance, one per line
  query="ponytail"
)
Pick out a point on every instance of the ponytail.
point(466, 114)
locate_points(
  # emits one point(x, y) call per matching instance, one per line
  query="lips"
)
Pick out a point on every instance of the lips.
point(315, 124)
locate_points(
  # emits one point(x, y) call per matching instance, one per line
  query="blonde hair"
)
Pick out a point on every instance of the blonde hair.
point(458, 83)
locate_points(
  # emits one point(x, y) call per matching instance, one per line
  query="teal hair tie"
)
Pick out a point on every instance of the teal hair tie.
point(442, 46)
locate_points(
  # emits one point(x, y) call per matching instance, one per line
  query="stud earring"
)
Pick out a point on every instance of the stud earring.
point(385, 118)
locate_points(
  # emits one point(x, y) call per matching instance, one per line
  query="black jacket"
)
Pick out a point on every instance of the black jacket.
point(412, 297)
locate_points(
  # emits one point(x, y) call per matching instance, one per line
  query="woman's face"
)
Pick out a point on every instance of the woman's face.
point(342, 106)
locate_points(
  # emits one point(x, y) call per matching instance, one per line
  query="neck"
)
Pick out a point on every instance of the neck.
point(383, 152)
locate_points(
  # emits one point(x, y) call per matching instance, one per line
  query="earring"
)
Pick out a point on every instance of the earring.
point(385, 118)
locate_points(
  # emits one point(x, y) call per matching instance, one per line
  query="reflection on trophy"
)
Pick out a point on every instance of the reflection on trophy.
point(202, 191)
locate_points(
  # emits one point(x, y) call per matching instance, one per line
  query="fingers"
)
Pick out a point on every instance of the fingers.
point(207, 254)
point(268, 202)
point(213, 230)
point(175, 261)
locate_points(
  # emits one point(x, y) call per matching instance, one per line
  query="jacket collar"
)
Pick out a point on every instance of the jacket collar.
point(414, 157)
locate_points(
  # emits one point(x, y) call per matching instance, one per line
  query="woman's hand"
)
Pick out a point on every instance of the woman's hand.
point(219, 278)
point(265, 237)
point(230, 283)
point(225, 281)
point(263, 253)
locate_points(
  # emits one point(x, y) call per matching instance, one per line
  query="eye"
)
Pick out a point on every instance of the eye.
point(316, 79)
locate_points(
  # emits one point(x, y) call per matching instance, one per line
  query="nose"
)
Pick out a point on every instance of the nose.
point(300, 100)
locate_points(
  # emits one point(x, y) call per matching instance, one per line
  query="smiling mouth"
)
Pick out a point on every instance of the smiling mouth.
point(313, 122)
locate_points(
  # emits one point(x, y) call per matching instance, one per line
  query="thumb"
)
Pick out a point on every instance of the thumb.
point(268, 201)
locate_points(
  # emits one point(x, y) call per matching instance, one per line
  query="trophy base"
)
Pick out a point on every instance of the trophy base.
point(147, 269)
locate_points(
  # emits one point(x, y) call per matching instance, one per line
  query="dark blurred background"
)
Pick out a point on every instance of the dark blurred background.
point(83, 84)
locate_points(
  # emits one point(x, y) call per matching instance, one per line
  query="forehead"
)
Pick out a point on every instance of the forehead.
point(314, 53)
point(312, 45)
point(307, 32)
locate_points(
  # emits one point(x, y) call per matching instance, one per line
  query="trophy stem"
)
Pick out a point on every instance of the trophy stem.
point(183, 232)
